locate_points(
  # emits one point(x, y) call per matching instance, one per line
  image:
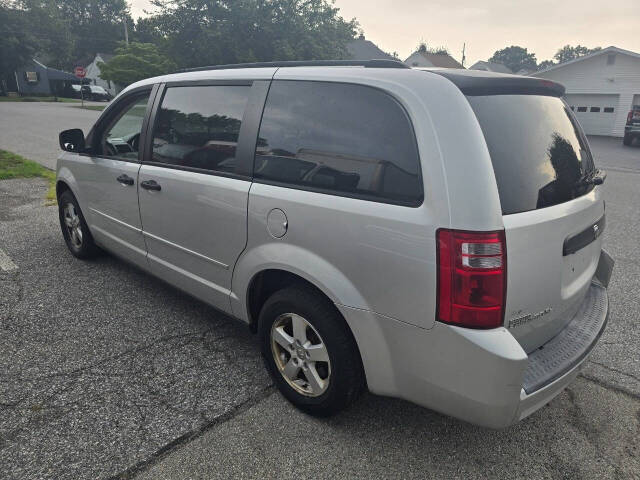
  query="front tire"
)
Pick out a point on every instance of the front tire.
point(74, 228)
point(310, 351)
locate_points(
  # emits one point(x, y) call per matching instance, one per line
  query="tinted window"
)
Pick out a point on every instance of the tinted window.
point(198, 127)
point(348, 139)
point(122, 138)
point(538, 153)
point(595, 109)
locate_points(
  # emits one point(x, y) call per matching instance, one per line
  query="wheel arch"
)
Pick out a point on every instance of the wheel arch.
point(265, 283)
point(282, 263)
point(66, 181)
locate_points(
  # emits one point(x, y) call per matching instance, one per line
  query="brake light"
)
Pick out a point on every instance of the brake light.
point(472, 278)
point(630, 116)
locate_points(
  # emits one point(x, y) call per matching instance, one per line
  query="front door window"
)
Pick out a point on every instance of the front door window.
point(121, 139)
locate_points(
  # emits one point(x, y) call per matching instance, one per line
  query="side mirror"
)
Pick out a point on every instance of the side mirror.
point(72, 140)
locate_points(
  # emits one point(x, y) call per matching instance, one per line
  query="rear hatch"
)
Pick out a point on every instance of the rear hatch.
point(553, 215)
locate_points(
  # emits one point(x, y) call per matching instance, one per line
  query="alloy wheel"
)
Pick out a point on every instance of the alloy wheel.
point(300, 355)
point(72, 223)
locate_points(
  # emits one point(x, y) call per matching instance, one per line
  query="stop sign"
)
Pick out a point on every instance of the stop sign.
point(80, 72)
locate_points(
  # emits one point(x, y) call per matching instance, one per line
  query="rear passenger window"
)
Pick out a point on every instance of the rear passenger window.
point(198, 127)
point(339, 138)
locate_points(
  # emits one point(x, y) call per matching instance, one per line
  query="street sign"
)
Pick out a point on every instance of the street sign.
point(80, 72)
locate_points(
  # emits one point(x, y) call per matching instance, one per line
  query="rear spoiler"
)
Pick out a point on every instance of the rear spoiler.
point(473, 82)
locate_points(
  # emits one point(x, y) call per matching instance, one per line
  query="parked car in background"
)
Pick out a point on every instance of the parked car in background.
point(333, 207)
point(94, 93)
point(632, 128)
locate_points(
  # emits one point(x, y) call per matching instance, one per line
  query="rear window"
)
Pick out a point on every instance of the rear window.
point(538, 153)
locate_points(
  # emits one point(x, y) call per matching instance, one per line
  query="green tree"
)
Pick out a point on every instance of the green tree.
point(68, 31)
point(145, 31)
point(43, 22)
point(545, 64)
point(135, 62)
point(199, 32)
point(98, 25)
point(568, 52)
point(424, 48)
point(17, 45)
point(516, 58)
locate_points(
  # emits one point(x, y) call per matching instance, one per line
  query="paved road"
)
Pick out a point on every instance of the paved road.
point(105, 370)
point(31, 128)
point(611, 154)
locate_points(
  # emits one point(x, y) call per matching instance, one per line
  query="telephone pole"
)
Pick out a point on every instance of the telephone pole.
point(126, 31)
point(464, 46)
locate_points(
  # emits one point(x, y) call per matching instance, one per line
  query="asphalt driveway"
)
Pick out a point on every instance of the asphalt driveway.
point(31, 129)
point(106, 371)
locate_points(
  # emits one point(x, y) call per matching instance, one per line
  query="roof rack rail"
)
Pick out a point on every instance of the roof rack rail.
point(375, 63)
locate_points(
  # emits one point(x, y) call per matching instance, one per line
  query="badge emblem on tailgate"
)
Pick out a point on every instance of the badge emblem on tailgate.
point(524, 319)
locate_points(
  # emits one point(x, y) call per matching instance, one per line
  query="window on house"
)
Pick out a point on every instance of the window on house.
point(595, 109)
point(582, 109)
point(611, 59)
point(608, 109)
point(31, 77)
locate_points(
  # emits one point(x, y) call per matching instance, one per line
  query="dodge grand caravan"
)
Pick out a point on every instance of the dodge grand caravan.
point(434, 235)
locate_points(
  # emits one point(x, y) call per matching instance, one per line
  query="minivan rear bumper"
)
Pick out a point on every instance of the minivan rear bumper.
point(481, 376)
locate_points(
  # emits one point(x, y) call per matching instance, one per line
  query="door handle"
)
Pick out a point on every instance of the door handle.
point(151, 185)
point(125, 179)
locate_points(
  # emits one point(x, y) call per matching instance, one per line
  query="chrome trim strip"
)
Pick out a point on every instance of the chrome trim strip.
point(191, 252)
point(189, 275)
point(115, 220)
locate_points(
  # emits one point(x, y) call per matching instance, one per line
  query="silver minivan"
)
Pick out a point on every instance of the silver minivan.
point(434, 235)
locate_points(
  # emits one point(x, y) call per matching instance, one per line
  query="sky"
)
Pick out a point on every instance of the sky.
point(541, 26)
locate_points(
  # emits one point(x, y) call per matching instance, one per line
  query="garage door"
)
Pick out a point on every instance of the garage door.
point(596, 113)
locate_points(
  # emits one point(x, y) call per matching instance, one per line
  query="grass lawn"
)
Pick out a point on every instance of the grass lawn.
point(39, 99)
point(97, 108)
point(15, 166)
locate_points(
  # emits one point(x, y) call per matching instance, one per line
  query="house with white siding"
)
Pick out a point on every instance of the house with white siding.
point(601, 88)
point(93, 74)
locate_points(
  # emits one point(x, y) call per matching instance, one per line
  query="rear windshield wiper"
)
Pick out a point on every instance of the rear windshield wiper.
point(597, 178)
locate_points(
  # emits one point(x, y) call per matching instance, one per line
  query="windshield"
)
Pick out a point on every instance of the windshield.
point(539, 155)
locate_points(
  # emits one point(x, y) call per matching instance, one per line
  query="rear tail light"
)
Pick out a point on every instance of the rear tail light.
point(630, 116)
point(472, 278)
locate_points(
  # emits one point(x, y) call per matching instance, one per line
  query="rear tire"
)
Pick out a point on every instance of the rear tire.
point(74, 228)
point(310, 351)
point(627, 140)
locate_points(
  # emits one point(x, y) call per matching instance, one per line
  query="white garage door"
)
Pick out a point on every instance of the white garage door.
point(596, 113)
